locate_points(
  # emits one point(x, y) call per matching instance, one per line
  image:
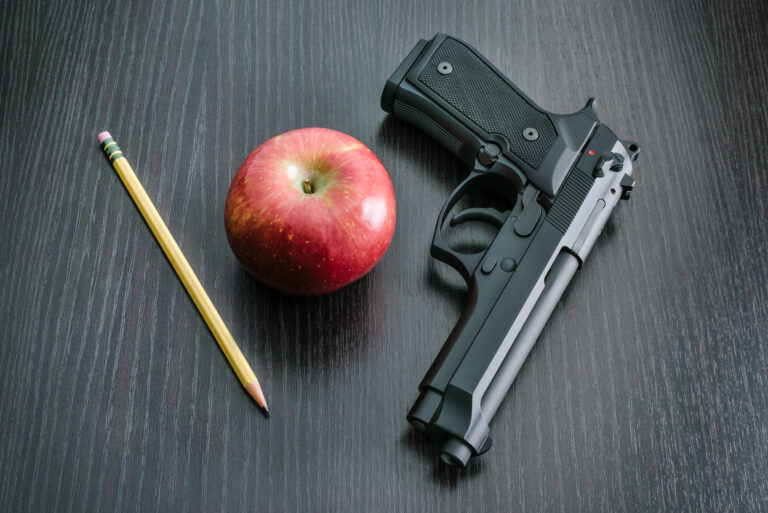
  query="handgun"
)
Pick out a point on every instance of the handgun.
point(562, 176)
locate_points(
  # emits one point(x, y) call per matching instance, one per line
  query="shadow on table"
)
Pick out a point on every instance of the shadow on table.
point(441, 474)
point(326, 332)
point(424, 154)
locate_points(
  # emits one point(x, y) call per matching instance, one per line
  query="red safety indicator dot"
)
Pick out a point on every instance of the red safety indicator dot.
point(591, 152)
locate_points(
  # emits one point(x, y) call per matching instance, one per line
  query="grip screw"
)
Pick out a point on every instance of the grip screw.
point(530, 134)
point(444, 68)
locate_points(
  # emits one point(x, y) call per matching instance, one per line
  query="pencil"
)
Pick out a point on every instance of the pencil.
point(191, 283)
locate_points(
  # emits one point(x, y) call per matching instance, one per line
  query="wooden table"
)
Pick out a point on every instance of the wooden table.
point(647, 390)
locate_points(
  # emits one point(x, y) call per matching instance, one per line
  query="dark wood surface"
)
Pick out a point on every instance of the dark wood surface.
point(647, 391)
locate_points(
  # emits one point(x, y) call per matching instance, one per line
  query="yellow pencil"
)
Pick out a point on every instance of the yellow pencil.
point(180, 264)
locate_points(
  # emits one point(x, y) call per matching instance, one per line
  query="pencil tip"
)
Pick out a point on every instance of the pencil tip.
point(255, 391)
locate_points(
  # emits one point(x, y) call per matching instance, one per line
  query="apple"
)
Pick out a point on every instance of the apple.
point(310, 211)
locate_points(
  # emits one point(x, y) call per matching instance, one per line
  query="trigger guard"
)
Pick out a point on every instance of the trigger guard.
point(466, 263)
point(486, 215)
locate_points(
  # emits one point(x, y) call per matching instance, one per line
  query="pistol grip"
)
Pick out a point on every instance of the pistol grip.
point(451, 91)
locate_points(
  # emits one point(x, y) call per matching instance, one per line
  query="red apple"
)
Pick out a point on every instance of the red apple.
point(310, 211)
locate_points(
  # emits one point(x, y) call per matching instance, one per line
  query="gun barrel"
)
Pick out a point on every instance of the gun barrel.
point(561, 273)
point(454, 451)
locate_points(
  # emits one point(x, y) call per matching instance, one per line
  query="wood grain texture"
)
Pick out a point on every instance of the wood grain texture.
point(646, 391)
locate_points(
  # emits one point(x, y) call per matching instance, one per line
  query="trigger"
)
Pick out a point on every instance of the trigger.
point(486, 215)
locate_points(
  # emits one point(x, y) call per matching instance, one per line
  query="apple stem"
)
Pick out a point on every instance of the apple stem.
point(307, 186)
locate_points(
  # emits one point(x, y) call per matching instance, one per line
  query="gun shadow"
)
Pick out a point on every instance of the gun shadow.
point(414, 151)
point(422, 153)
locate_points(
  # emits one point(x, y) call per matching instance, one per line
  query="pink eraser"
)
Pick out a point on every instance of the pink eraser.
point(104, 135)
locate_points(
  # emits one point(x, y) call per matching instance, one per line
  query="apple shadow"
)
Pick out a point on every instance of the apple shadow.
point(323, 332)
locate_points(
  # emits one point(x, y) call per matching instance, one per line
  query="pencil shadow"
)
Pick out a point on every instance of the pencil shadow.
point(441, 474)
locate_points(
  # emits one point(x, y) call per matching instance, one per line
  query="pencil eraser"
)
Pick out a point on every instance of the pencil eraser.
point(104, 135)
